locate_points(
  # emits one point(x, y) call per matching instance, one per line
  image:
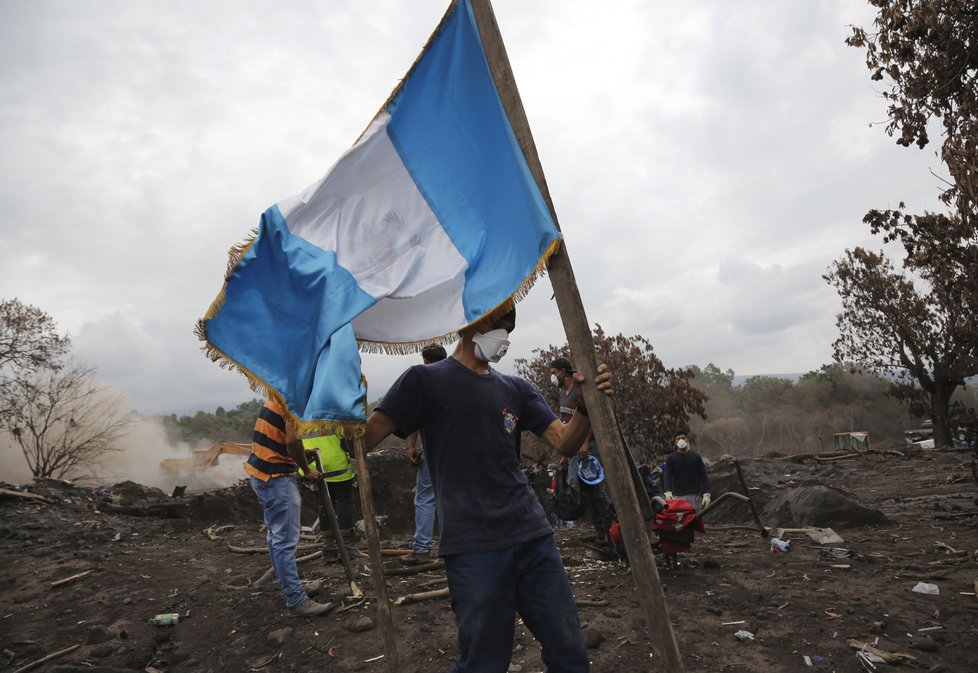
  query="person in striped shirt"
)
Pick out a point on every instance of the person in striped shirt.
point(276, 456)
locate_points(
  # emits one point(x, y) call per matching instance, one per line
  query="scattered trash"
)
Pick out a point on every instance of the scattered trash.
point(744, 636)
point(869, 660)
point(819, 535)
point(117, 537)
point(926, 588)
point(779, 545)
point(873, 655)
point(166, 619)
point(812, 661)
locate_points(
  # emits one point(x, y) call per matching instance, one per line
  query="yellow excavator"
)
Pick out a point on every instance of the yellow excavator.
point(204, 459)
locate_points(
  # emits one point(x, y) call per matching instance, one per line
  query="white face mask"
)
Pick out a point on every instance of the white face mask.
point(491, 346)
point(681, 444)
point(554, 380)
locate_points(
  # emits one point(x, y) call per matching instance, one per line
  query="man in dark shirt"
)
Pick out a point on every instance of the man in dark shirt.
point(497, 543)
point(684, 474)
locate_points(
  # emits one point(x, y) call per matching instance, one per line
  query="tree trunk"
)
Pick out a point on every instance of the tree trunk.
point(940, 400)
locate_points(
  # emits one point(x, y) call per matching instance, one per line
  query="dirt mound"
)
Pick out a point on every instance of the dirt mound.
point(821, 506)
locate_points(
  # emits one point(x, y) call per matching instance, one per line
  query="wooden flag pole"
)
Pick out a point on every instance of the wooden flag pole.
point(376, 559)
point(634, 531)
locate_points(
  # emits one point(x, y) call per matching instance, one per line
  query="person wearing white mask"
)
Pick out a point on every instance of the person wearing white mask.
point(497, 543)
point(684, 474)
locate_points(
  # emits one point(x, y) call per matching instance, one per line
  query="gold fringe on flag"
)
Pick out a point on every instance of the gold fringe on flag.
point(340, 427)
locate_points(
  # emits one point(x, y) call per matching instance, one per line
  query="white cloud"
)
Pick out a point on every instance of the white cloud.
point(707, 165)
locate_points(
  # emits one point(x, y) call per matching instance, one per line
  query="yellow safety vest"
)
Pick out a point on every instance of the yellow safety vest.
point(336, 461)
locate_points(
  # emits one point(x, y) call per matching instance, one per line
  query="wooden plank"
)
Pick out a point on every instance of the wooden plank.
point(376, 560)
point(666, 656)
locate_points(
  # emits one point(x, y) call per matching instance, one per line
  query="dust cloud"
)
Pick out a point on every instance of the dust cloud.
point(13, 465)
point(138, 458)
point(146, 444)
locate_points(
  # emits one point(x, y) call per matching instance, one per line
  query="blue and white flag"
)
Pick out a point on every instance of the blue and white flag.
point(429, 222)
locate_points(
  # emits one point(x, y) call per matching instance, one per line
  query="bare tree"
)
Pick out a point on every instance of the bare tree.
point(64, 421)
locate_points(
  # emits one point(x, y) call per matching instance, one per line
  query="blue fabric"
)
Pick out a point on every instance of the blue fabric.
point(286, 319)
point(281, 506)
point(424, 509)
point(470, 426)
point(453, 136)
point(488, 589)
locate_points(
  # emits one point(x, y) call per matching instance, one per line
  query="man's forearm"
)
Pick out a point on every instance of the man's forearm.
point(573, 435)
point(379, 427)
point(297, 453)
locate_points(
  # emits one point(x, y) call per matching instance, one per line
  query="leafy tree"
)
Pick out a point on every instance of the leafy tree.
point(651, 401)
point(926, 51)
point(921, 322)
point(29, 342)
point(713, 376)
point(718, 387)
point(64, 421)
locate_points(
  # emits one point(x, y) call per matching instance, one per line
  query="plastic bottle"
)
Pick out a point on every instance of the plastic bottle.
point(779, 545)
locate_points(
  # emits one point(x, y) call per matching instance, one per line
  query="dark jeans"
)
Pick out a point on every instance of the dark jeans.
point(341, 495)
point(595, 497)
point(488, 589)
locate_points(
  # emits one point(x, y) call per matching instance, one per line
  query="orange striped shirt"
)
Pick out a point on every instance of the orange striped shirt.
point(269, 456)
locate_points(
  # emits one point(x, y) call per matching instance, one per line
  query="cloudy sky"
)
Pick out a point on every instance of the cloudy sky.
point(707, 161)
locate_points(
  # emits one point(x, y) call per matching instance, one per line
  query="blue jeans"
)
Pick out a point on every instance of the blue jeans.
point(424, 509)
point(488, 589)
point(281, 506)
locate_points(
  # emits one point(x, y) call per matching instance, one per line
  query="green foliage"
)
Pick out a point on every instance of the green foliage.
point(713, 377)
point(236, 425)
point(768, 414)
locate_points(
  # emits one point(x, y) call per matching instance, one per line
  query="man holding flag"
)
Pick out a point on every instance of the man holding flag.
point(433, 224)
point(498, 546)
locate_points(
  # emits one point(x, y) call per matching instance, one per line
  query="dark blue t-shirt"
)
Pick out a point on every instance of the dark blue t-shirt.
point(470, 426)
point(685, 474)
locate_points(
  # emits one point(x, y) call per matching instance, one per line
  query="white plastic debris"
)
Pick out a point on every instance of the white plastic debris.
point(926, 588)
point(744, 636)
